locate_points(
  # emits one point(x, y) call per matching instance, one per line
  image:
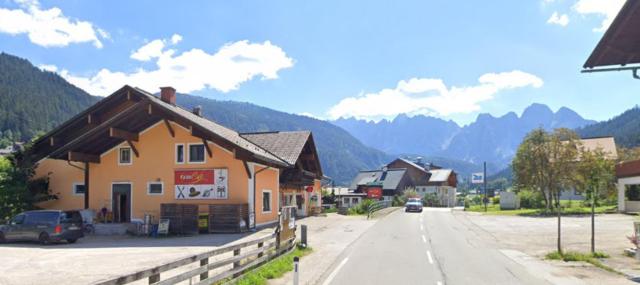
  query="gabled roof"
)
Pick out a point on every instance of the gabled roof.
point(389, 178)
point(133, 110)
point(606, 144)
point(287, 145)
point(620, 45)
point(411, 163)
point(440, 175)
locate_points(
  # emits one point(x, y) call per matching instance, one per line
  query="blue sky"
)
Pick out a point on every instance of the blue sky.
point(369, 59)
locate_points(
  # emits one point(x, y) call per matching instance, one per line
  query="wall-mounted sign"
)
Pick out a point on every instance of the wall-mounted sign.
point(374, 192)
point(201, 184)
point(477, 178)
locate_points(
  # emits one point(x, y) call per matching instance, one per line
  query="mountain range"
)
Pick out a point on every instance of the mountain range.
point(488, 138)
point(34, 101)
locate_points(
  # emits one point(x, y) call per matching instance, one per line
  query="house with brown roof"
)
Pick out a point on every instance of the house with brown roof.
point(132, 152)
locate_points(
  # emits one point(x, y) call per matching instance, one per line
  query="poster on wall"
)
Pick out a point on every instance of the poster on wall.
point(211, 184)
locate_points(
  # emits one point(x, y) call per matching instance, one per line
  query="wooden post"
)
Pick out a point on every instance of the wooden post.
point(237, 263)
point(86, 185)
point(260, 245)
point(154, 278)
point(205, 274)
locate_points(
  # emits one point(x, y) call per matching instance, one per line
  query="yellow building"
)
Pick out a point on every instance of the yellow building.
point(132, 151)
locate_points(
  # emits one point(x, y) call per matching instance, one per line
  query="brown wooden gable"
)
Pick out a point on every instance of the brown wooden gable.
point(121, 116)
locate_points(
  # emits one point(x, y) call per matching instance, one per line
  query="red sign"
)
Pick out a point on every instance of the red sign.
point(309, 189)
point(194, 177)
point(374, 192)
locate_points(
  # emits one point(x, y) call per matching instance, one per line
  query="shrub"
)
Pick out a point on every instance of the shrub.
point(431, 199)
point(495, 200)
point(530, 199)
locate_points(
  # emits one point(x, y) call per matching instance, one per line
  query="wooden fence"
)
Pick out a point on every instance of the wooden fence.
point(267, 248)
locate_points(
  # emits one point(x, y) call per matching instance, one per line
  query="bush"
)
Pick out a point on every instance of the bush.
point(362, 208)
point(495, 200)
point(530, 199)
point(430, 200)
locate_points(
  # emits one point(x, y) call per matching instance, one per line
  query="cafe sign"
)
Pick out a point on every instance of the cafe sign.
point(209, 184)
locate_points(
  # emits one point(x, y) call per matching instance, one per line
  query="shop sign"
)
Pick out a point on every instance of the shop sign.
point(374, 193)
point(163, 227)
point(191, 184)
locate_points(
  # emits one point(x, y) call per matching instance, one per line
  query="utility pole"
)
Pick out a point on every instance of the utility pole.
point(484, 181)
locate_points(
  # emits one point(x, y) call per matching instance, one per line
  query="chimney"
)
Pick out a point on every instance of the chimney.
point(197, 110)
point(168, 95)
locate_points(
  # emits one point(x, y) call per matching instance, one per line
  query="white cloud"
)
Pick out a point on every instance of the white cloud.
point(193, 70)
point(176, 39)
point(607, 8)
point(558, 19)
point(431, 97)
point(48, 67)
point(48, 28)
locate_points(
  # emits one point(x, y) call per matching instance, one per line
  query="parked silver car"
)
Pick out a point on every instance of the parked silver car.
point(44, 226)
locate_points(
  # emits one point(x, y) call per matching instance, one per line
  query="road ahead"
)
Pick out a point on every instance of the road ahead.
point(432, 247)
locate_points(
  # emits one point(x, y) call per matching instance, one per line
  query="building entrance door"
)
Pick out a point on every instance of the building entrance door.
point(121, 202)
point(300, 203)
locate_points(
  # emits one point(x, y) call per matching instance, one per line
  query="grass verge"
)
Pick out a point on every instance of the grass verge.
point(273, 269)
point(592, 258)
point(566, 211)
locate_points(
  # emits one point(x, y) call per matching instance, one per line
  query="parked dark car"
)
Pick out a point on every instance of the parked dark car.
point(413, 206)
point(44, 226)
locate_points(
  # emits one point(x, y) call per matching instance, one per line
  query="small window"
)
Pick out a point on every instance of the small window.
point(79, 189)
point(155, 188)
point(266, 201)
point(345, 201)
point(196, 153)
point(179, 153)
point(124, 155)
point(354, 200)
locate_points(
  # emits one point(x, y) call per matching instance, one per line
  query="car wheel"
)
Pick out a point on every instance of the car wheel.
point(72, 240)
point(2, 238)
point(44, 238)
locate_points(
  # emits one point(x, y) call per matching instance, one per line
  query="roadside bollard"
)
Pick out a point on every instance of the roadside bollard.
point(303, 236)
point(296, 269)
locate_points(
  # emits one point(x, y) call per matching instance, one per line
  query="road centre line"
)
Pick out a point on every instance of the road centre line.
point(429, 256)
point(424, 239)
point(335, 272)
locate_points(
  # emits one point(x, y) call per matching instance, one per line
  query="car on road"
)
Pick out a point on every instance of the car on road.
point(44, 226)
point(413, 206)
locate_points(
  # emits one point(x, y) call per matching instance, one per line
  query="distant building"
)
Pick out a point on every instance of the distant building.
point(607, 145)
point(403, 173)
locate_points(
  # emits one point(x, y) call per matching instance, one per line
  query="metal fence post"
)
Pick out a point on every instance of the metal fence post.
point(296, 270)
point(303, 235)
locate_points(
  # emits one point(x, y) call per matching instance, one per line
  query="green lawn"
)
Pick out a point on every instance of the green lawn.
point(593, 258)
point(569, 208)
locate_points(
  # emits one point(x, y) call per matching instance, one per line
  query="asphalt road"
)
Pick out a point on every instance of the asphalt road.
point(432, 247)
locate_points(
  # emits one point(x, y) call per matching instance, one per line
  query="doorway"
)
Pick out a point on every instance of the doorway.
point(121, 202)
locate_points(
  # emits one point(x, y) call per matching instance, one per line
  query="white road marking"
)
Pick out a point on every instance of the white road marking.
point(439, 283)
point(421, 227)
point(335, 272)
point(424, 239)
point(429, 256)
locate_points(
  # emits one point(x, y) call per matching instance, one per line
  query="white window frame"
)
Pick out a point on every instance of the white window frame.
point(270, 201)
point(188, 159)
point(73, 188)
point(184, 153)
point(149, 188)
point(120, 155)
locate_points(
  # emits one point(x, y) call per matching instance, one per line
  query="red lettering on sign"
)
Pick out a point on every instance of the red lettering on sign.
point(194, 177)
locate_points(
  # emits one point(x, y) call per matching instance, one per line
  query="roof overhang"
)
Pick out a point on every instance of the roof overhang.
point(619, 47)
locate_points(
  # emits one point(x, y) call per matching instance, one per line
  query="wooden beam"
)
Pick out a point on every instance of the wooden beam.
point(206, 146)
point(133, 147)
point(246, 168)
point(83, 157)
point(149, 109)
point(123, 134)
point(170, 128)
point(52, 141)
